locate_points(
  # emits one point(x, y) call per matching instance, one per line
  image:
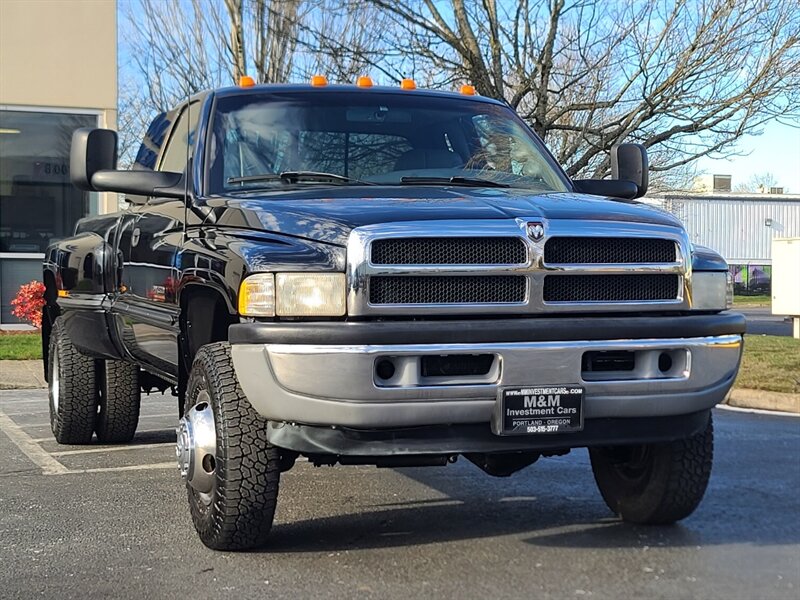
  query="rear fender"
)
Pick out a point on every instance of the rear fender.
point(79, 274)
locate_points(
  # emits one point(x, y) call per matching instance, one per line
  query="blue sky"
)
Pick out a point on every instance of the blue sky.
point(776, 151)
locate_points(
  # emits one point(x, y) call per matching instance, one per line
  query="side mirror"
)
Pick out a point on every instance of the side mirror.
point(629, 163)
point(93, 168)
point(92, 150)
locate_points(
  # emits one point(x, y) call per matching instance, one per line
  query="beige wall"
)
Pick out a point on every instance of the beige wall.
point(61, 54)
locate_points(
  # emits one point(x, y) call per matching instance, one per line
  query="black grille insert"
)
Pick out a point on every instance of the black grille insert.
point(500, 289)
point(610, 288)
point(456, 365)
point(449, 251)
point(568, 250)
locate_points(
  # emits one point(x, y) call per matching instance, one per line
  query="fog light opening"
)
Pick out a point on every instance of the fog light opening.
point(664, 362)
point(385, 369)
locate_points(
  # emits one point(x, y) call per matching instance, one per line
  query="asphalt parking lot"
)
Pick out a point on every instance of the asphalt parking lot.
point(100, 522)
point(761, 321)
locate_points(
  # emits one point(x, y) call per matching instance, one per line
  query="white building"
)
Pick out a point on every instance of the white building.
point(738, 226)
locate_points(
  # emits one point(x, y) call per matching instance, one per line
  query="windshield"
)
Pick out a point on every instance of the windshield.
point(372, 138)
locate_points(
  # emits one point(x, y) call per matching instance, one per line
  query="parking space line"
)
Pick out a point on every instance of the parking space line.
point(42, 459)
point(5, 402)
point(160, 416)
point(758, 411)
point(110, 449)
point(50, 438)
point(165, 465)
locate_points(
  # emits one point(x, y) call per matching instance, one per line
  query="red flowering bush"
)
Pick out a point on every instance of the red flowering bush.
point(29, 302)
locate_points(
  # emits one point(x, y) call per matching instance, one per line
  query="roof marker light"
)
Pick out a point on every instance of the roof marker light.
point(319, 81)
point(364, 82)
point(468, 90)
point(246, 81)
point(408, 84)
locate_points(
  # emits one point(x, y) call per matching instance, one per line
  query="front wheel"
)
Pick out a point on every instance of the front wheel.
point(655, 484)
point(231, 471)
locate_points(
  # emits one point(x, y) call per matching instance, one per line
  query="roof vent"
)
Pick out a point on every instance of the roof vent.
point(722, 183)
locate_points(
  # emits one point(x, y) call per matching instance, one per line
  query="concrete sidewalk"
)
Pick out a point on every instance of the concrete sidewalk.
point(27, 374)
point(21, 375)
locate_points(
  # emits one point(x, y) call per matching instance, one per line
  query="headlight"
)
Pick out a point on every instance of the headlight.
point(293, 295)
point(310, 294)
point(710, 290)
point(257, 296)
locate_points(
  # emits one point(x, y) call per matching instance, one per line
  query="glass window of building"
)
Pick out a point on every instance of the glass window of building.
point(38, 204)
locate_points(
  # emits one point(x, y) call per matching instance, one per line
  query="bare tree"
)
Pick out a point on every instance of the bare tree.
point(758, 184)
point(684, 78)
point(172, 49)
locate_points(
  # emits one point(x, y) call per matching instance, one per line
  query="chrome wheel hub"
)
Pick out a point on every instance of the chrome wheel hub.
point(197, 445)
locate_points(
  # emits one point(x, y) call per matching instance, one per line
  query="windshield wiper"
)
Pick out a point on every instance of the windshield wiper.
point(467, 181)
point(296, 176)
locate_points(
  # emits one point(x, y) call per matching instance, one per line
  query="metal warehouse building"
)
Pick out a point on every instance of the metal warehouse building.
point(740, 227)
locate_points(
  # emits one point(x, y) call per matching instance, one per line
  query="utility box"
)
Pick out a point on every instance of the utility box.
point(786, 279)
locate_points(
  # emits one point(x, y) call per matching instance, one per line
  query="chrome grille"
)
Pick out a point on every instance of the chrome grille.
point(447, 290)
point(449, 251)
point(610, 288)
point(601, 250)
point(491, 267)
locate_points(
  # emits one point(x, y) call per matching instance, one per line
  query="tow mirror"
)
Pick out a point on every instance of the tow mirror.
point(92, 150)
point(629, 163)
point(93, 168)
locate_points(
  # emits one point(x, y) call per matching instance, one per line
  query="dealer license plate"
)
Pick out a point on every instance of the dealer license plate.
point(538, 409)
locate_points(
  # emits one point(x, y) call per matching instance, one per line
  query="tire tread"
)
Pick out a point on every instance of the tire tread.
point(683, 468)
point(243, 509)
point(74, 422)
point(120, 401)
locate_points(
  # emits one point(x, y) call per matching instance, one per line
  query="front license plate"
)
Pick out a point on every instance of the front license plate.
point(538, 409)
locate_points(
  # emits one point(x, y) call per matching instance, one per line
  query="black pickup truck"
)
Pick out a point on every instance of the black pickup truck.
point(385, 276)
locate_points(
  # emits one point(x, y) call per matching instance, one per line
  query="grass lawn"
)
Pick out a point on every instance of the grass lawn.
point(770, 362)
point(761, 300)
point(20, 345)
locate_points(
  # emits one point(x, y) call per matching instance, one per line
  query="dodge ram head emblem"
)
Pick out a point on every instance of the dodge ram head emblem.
point(535, 231)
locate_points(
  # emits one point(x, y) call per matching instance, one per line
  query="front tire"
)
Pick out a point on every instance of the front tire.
point(120, 399)
point(72, 389)
point(232, 477)
point(655, 484)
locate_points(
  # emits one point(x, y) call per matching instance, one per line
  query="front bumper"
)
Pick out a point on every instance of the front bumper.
point(324, 374)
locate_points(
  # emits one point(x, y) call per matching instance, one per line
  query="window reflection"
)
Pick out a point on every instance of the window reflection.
point(38, 204)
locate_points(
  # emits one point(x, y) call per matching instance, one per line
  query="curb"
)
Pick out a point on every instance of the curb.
point(762, 400)
point(21, 375)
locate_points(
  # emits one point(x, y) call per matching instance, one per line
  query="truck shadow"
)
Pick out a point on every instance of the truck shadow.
point(567, 514)
point(751, 500)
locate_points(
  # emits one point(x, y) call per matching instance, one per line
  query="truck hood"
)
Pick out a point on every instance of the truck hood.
point(329, 214)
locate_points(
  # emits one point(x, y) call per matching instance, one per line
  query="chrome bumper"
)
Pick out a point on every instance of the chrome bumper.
point(337, 384)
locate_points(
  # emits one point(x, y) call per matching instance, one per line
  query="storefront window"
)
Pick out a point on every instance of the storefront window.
point(38, 204)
